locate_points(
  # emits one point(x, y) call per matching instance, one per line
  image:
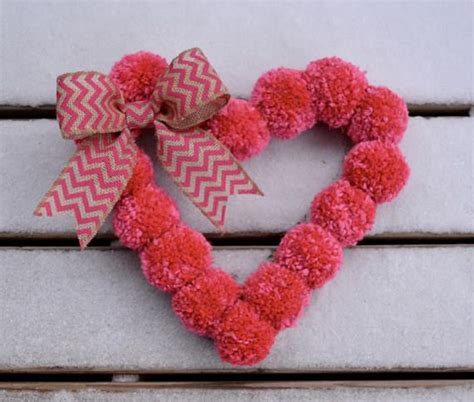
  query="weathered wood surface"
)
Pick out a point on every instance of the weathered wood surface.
point(388, 308)
point(436, 202)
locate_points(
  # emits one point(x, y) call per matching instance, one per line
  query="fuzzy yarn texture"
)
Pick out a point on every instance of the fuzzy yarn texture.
point(277, 294)
point(144, 215)
point(310, 251)
point(344, 211)
point(378, 168)
point(242, 337)
point(241, 128)
point(283, 100)
point(142, 174)
point(336, 87)
point(176, 258)
point(380, 115)
point(136, 74)
point(201, 304)
point(243, 320)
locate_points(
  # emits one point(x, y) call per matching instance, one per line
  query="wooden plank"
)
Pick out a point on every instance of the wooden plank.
point(388, 309)
point(56, 37)
point(433, 391)
point(436, 202)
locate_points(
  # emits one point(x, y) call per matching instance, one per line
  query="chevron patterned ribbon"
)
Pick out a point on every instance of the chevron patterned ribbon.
point(91, 110)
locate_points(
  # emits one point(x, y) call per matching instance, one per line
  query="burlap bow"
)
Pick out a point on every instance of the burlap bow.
point(90, 107)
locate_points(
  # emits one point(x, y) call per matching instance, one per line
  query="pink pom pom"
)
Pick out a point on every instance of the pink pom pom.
point(242, 337)
point(310, 251)
point(200, 304)
point(143, 216)
point(241, 128)
point(344, 211)
point(277, 294)
point(284, 102)
point(175, 259)
point(336, 88)
point(142, 174)
point(136, 74)
point(378, 168)
point(381, 115)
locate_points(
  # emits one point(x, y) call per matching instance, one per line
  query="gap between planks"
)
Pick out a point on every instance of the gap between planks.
point(239, 240)
point(104, 386)
point(11, 112)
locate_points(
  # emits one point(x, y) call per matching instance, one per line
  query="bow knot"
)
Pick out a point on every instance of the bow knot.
point(91, 108)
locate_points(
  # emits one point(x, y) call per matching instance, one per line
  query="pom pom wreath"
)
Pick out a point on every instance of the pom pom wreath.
point(143, 216)
point(381, 115)
point(277, 294)
point(344, 211)
point(281, 97)
point(136, 74)
point(336, 88)
point(310, 251)
point(242, 337)
point(378, 168)
point(241, 128)
point(176, 258)
point(142, 174)
point(201, 304)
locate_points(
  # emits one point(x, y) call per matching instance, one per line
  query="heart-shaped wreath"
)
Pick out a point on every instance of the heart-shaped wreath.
point(243, 319)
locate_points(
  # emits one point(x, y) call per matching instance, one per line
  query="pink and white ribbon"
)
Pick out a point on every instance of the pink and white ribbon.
point(90, 107)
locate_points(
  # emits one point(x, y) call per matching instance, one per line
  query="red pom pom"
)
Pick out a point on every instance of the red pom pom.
point(200, 304)
point(175, 259)
point(241, 128)
point(142, 174)
point(336, 88)
point(284, 102)
point(381, 115)
point(136, 74)
point(378, 168)
point(344, 211)
point(143, 216)
point(277, 294)
point(310, 251)
point(242, 337)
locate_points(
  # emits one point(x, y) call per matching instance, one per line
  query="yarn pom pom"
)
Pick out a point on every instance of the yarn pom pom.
point(378, 168)
point(142, 174)
point(142, 216)
point(136, 74)
point(284, 102)
point(201, 304)
point(176, 258)
point(336, 88)
point(241, 128)
point(310, 251)
point(344, 211)
point(277, 294)
point(242, 337)
point(381, 115)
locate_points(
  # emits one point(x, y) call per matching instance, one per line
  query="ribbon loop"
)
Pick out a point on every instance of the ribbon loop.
point(190, 90)
point(88, 103)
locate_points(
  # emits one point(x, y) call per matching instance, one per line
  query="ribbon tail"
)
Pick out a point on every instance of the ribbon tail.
point(91, 182)
point(203, 169)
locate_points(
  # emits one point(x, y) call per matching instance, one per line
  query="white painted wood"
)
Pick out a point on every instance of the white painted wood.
point(388, 308)
point(332, 392)
point(423, 50)
point(437, 199)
